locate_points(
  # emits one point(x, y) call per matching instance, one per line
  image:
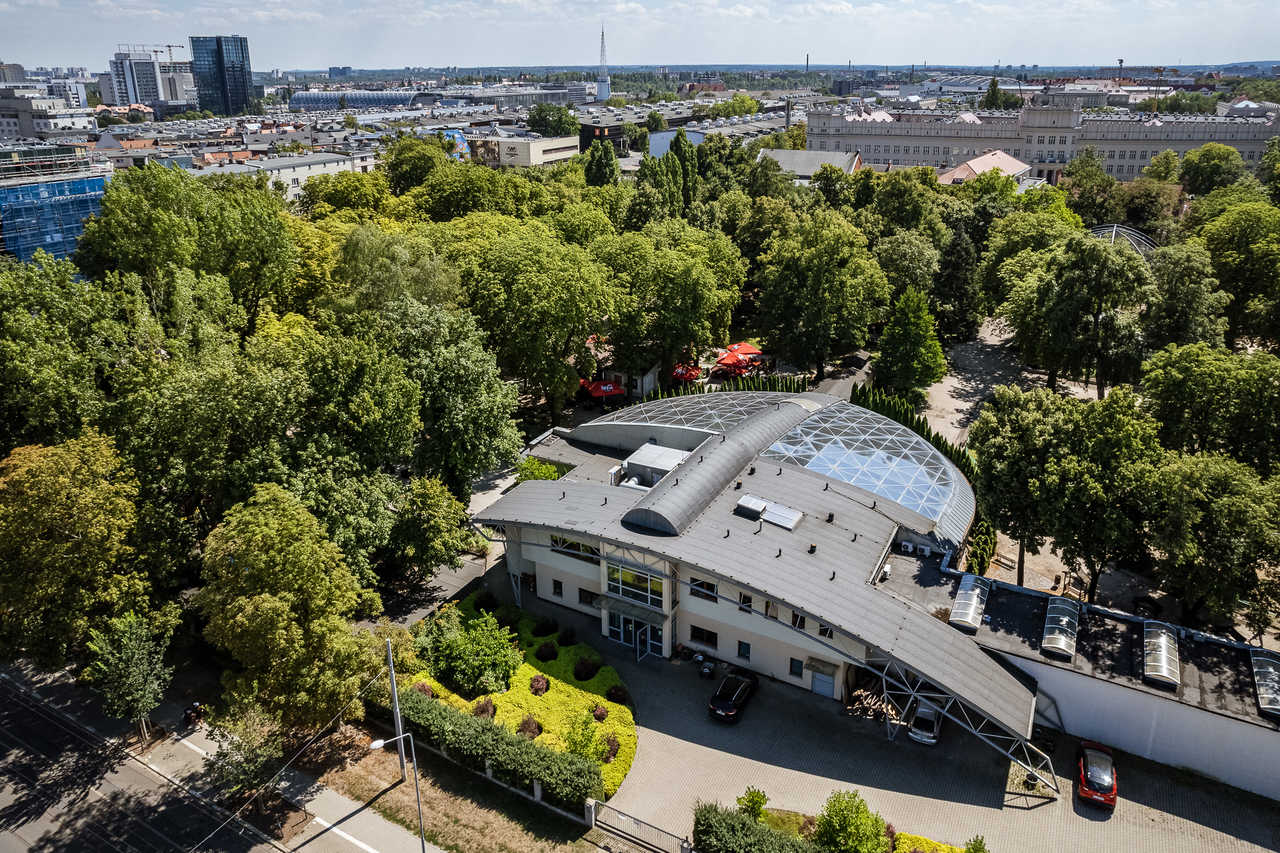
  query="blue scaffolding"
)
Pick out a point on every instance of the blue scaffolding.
point(48, 215)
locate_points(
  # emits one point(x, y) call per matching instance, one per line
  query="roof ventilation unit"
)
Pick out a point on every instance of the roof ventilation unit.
point(1061, 623)
point(750, 506)
point(1266, 679)
point(1160, 654)
point(783, 516)
point(971, 600)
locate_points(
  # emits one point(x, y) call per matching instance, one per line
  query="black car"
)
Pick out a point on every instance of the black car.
point(732, 695)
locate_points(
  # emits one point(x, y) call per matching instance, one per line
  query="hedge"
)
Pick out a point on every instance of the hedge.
point(717, 829)
point(769, 382)
point(567, 780)
point(905, 843)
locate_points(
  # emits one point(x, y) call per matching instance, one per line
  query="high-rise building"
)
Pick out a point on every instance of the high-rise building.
point(135, 77)
point(46, 193)
point(223, 74)
point(603, 89)
point(12, 72)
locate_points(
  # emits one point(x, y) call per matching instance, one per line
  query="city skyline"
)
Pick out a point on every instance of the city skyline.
point(400, 33)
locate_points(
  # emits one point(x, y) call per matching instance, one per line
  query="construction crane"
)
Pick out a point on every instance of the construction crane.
point(172, 46)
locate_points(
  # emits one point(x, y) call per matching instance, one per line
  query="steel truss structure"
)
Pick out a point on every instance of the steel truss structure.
point(903, 687)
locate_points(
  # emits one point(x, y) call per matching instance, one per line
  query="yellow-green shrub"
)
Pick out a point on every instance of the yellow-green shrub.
point(906, 843)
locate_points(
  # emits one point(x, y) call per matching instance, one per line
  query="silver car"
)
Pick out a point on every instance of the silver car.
point(926, 724)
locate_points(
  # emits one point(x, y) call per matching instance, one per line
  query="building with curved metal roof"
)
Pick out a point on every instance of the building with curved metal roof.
point(754, 526)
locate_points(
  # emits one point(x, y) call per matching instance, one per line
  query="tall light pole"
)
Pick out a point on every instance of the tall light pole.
point(395, 713)
point(399, 740)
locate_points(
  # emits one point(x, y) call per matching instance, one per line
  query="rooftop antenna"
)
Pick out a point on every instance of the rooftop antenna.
point(806, 63)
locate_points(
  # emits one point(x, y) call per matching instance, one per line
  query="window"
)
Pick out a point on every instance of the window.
point(744, 602)
point(825, 630)
point(797, 621)
point(1039, 140)
point(702, 589)
point(703, 637)
point(1053, 140)
point(771, 609)
point(557, 589)
point(744, 650)
point(635, 585)
point(797, 668)
point(586, 597)
point(573, 548)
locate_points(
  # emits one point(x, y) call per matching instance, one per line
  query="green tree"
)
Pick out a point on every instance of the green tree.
point(1014, 438)
point(465, 406)
point(996, 98)
point(1214, 526)
point(278, 596)
point(1209, 167)
point(429, 533)
point(820, 290)
point(1088, 187)
point(1269, 169)
point(1186, 305)
point(363, 192)
point(1207, 208)
point(1244, 243)
point(66, 517)
point(602, 165)
point(847, 825)
point(1163, 166)
point(909, 261)
point(250, 749)
point(408, 161)
point(379, 268)
point(1100, 482)
point(531, 468)
point(637, 137)
point(479, 659)
point(752, 803)
point(654, 122)
point(126, 664)
point(552, 120)
point(580, 223)
point(977, 844)
point(350, 122)
point(910, 357)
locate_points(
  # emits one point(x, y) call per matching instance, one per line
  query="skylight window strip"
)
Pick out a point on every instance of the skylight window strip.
point(971, 601)
point(1160, 661)
point(1061, 626)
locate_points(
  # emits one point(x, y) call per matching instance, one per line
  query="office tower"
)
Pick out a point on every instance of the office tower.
point(224, 77)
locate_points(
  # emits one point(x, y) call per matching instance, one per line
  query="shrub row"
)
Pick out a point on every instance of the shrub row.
point(717, 829)
point(907, 843)
point(769, 382)
point(567, 780)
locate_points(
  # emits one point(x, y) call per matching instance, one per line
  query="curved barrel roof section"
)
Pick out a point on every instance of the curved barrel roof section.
point(682, 495)
point(840, 440)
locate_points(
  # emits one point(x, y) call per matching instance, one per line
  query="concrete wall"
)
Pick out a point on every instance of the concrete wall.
point(1232, 751)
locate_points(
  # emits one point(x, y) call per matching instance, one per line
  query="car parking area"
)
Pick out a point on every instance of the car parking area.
point(799, 748)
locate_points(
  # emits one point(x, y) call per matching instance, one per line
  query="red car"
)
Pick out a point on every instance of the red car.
point(1097, 774)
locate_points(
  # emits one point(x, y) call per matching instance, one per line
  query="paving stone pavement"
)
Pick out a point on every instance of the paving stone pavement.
point(798, 748)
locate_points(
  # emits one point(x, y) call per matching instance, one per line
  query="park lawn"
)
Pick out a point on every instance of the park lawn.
point(564, 703)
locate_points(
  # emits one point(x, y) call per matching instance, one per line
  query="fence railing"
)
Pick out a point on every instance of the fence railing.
point(635, 831)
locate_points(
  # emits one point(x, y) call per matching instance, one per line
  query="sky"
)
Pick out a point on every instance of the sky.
point(290, 34)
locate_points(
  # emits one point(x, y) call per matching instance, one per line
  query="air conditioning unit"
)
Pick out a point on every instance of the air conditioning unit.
point(908, 548)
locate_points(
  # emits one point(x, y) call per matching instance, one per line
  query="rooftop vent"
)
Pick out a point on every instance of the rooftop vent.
point(755, 508)
point(750, 506)
point(971, 600)
point(1061, 623)
point(1160, 661)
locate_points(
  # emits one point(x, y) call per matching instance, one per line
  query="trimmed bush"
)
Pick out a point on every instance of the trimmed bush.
point(611, 746)
point(538, 685)
point(529, 727)
point(508, 616)
point(618, 693)
point(568, 636)
point(905, 842)
point(717, 829)
point(600, 712)
point(425, 689)
point(547, 651)
point(484, 708)
point(586, 668)
point(545, 627)
point(567, 780)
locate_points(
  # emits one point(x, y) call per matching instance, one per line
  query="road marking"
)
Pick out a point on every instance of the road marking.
point(338, 832)
point(189, 745)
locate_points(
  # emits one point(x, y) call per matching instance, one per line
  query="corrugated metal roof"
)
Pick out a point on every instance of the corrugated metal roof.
point(828, 585)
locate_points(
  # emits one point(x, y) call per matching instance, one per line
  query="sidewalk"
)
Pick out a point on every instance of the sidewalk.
point(337, 824)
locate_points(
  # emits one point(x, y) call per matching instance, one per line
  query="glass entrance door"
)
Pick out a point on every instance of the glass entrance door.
point(644, 637)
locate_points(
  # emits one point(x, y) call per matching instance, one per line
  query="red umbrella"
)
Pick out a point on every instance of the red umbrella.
point(744, 348)
point(687, 372)
point(731, 359)
point(604, 389)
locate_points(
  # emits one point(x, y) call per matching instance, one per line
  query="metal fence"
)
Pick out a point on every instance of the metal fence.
point(636, 832)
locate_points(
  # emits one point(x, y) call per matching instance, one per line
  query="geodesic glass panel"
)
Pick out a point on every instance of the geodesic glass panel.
point(713, 412)
point(867, 450)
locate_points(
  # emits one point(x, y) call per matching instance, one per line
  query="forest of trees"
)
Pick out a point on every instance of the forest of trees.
point(283, 407)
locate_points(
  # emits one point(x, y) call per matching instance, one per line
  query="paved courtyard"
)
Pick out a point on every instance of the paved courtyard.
point(798, 748)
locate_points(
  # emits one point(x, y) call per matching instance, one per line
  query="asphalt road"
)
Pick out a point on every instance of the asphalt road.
point(62, 788)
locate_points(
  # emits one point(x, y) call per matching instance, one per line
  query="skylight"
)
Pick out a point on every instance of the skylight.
point(1061, 623)
point(971, 600)
point(1160, 661)
point(1266, 679)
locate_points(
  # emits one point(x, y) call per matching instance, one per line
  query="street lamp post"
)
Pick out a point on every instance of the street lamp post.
point(379, 744)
